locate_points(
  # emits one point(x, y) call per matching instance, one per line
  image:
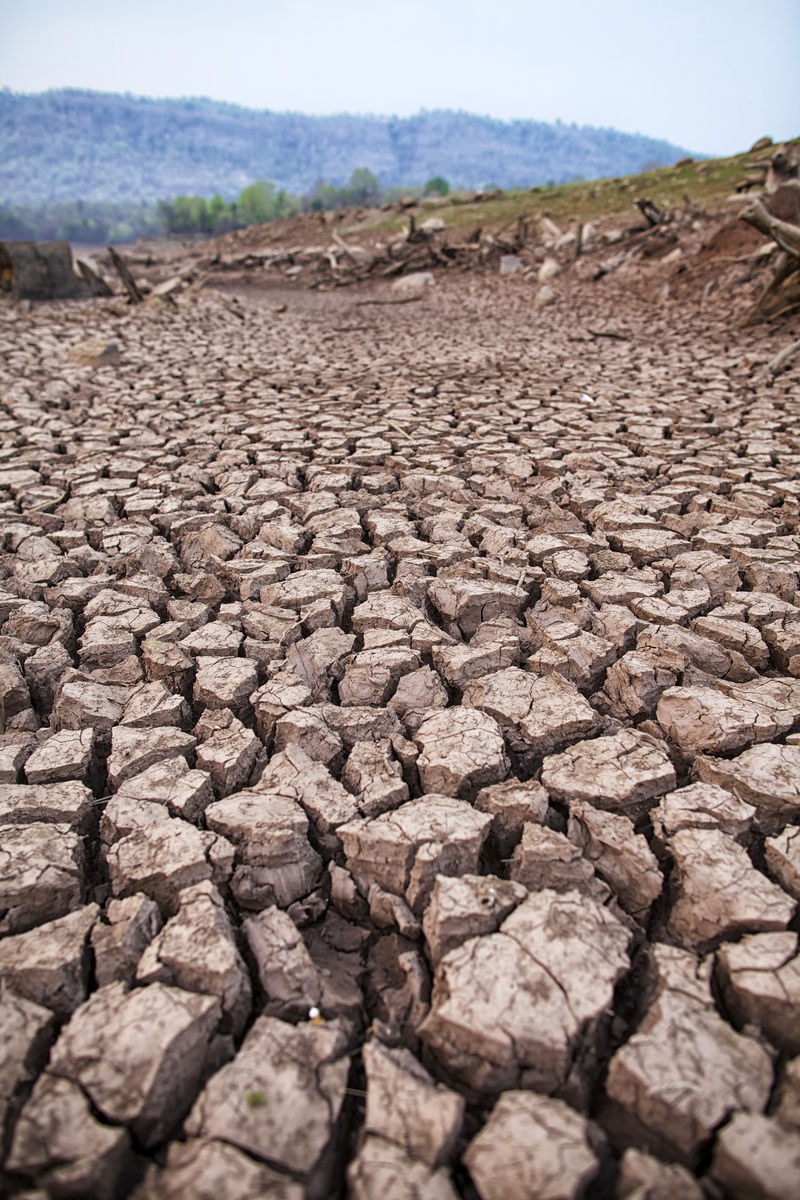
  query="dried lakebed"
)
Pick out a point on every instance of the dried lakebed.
point(400, 753)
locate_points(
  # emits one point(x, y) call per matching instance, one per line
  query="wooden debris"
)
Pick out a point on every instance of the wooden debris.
point(131, 287)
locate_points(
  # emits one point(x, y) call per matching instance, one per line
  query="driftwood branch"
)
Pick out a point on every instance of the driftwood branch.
point(780, 362)
point(129, 283)
point(782, 293)
point(650, 211)
point(96, 285)
point(787, 236)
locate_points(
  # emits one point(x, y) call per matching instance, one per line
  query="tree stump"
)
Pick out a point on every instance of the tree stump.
point(39, 271)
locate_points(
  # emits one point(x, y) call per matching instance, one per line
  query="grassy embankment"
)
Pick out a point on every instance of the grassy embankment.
point(706, 183)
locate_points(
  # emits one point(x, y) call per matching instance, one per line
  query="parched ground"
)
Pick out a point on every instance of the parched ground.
point(401, 746)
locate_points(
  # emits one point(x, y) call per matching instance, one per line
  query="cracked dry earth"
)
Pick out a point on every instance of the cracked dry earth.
point(400, 756)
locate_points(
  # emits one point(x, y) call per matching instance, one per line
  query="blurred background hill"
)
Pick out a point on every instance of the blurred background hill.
point(71, 144)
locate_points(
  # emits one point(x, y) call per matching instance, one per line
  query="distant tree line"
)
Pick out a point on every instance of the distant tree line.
point(60, 145)
point(92, 223)
point(95, 223)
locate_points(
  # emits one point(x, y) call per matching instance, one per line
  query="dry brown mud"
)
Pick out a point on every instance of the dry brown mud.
point(400, 752)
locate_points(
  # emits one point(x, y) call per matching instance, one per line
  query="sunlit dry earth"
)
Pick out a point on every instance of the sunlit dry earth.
point(401, 742)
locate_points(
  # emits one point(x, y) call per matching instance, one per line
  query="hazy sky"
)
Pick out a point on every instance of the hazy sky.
point(712, 75)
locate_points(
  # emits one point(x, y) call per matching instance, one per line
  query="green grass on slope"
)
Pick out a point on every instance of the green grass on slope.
point(706, 183)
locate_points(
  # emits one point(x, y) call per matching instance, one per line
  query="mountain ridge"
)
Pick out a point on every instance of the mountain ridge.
point(73, 144)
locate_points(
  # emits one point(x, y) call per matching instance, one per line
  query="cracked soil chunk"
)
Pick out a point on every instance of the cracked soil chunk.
point(279, 1099)
point(404, 850)
point(28, 1029)
point(511, 1008)
point(685, 1068)
point(621, 772)
point(718, 893)
point(40, 874)
point(756, 1159)
point(138, 1055)
point(204, 1169)
point(531, 1148)
point(619, 856)
point(60, 1145)
point(767, 777)
point(275, 862)
point(50, 964)
point(760, 978)
point(383, 1171)
point(196, 951)
point(461, 751)
point(406, 1107)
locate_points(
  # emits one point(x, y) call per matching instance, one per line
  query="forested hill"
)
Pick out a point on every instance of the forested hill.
point(69, 145)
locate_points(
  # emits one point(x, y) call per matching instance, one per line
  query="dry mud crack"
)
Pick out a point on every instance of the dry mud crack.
point(400, 752)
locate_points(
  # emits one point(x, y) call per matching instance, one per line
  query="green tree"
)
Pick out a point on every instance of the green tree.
point(257, 203)
point(363, 186)
point(436, 187)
